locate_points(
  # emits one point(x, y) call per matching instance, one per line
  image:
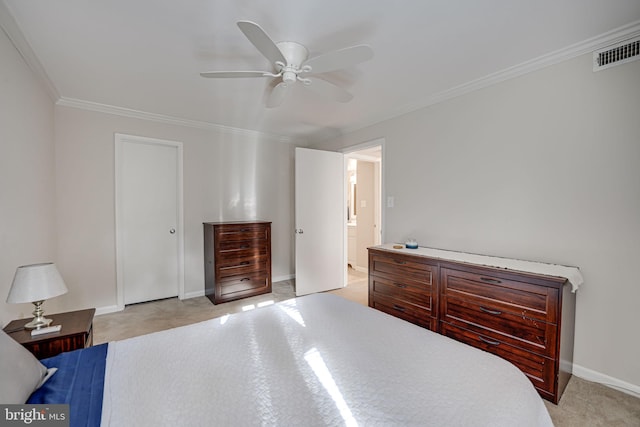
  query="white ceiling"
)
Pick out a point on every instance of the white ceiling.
point(146, 55)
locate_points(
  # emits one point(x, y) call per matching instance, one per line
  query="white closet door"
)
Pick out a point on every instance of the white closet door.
point(148, 224)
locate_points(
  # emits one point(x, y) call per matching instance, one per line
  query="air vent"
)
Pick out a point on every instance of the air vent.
point(621, 53)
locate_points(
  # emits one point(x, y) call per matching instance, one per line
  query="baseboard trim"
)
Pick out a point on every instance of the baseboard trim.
point(108, 309)
point(283, 278)
point(194, 294)
point(606, 380)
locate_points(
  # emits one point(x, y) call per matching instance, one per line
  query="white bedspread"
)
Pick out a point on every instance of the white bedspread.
point(318, 360)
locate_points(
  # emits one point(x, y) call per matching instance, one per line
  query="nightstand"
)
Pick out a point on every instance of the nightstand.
point(76, 333)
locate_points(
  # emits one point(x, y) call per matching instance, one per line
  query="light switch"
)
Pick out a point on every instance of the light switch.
point(363, 203)
point(390, 201)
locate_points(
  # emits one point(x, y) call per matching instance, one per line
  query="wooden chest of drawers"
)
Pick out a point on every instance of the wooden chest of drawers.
point(525, 318)
point(237, 257)
point(514, 315)
point(403, 287)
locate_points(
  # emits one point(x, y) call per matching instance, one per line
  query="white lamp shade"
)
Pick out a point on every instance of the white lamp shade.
point(36, 282)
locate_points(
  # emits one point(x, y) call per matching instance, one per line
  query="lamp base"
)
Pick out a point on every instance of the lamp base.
point(38, 321)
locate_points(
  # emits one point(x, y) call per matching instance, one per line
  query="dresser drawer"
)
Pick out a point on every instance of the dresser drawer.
point(247, 232)
point(239, 266)
point(244, 282)
point(403, 289)
point(521, 299)
point(239, 244)
point(401, 267)
point(404, 310)
point(242, 249)
point(539, 369)
point(487, 319)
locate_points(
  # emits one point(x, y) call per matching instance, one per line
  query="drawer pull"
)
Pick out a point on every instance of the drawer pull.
point(245, 247)
point(400, 285)
point(494, 312)
point(490, 280)
point(399, 261)
point(245, 263)
point(399, 308)
point(244, 279)
point(487, 341)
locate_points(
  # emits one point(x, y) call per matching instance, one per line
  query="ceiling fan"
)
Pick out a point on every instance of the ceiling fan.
point(292, 64)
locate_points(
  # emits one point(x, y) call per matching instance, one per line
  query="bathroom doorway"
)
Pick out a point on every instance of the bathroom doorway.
point(363, 176)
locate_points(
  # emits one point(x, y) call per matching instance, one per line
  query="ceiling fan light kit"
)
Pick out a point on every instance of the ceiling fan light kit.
point(291, 59)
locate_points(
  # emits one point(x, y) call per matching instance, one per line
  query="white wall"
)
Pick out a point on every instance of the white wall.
point(544, 167)
point(226, 177)
point(27, 206)
point(57, 190)
point(365, 208)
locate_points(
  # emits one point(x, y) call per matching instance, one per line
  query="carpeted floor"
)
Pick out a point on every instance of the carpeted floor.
point(583, 403)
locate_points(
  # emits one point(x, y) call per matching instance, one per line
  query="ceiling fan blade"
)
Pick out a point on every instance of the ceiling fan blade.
point(261, 41)
point(277, 95)
point(342, 58)
point(234, 74)
point(329, 90)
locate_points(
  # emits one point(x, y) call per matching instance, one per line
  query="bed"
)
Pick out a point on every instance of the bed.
point(318, 360)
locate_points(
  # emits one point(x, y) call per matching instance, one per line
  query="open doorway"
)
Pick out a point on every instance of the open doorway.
point(363, 178)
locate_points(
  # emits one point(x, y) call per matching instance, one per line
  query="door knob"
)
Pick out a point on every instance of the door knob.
point(299, 231)
point(172, 231)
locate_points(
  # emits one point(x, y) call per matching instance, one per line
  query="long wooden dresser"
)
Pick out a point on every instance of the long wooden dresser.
point(237, 259)
point(522, 316)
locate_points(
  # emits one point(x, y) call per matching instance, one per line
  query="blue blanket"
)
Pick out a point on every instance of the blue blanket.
point(79, 382)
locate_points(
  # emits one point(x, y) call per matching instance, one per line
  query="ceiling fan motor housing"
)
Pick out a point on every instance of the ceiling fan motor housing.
point(289, 76)
point(294, 53)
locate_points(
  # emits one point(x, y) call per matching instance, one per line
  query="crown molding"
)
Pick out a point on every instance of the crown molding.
point(12, 29)
point(15, 34)
point(161, 118)
point(586, 46)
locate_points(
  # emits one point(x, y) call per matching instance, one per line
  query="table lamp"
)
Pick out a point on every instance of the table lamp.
point(36, 283)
